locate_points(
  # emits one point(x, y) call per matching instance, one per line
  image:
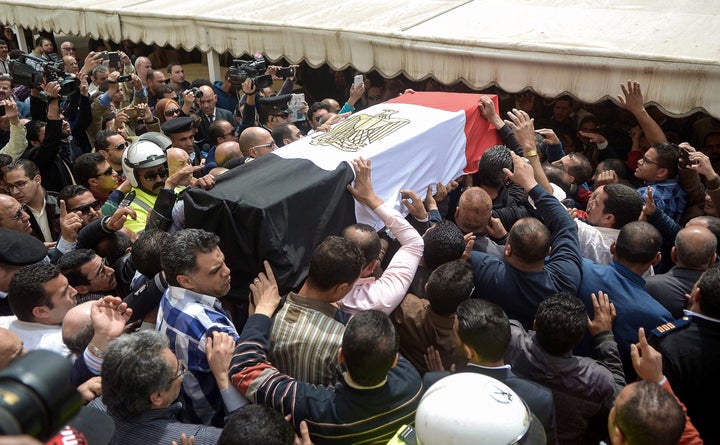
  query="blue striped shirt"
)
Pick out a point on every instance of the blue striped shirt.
point(187, 318)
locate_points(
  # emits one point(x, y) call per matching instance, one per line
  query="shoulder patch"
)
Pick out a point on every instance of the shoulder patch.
point(673, 326)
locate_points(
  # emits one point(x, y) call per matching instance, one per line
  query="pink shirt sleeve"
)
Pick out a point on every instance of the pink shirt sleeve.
point(387, 292)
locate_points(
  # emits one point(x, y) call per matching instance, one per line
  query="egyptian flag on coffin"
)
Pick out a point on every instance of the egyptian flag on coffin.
point(282, 205)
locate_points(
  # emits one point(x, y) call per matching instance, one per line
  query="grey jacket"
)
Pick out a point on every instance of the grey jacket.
point(584, 389)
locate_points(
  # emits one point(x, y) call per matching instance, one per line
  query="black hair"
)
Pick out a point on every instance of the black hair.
point(560, 323)
point(484, 327)
point(256, 424)
point(623, 202)
point(490, 168)
point(70, 265)
point(638, 243)
point(449, 285)
point(366, 239)
point(709, 286)
point(443, 242)
point(650, 416)
point(336, 260)
point(370, 345)
point(86, 166)
point(146, 251)
point(668, 155)
point(530, 240)
point(26, 290)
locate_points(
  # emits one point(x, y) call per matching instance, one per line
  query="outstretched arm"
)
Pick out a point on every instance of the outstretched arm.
point(632, 100)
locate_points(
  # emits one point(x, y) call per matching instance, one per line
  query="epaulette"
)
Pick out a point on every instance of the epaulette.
point(673, 326)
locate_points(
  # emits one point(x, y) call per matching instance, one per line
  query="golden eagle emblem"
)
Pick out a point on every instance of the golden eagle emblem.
point(361, 130)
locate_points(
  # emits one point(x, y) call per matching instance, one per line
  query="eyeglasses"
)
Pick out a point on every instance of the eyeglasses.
point(108, 172)
point(174, 112)
point(374, 97)
point(69, 48)
point(18, 185)
point(271, 145)
point(180, 372)
point(150, 176)
point(85, 209)
point(103, 272)
point(18, 216)
point(645, 160)
point(122, 146)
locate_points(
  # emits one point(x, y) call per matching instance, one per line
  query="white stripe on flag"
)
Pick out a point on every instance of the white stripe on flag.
point(410, 146)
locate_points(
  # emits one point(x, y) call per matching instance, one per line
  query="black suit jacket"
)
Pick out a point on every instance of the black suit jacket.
point(538, 398)
point(203, 129)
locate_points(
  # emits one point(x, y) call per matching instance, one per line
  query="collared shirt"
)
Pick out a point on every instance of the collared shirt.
point(385, 293)
point(305, 338)
point(668, 196)
point(338, 414)
point(595, 241)
point(160, 426)
point(635, 307)
point(42, 221)
point(188, 318)
point(37, 335)
point(690, 313)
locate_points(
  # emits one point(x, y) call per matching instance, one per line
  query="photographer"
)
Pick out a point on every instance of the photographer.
point(126, 118)
point(55, 169)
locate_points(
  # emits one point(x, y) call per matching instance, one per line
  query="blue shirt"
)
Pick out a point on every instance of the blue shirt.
point(188, 318)
point(668, 196)
point(519, 293)
point(635, 307)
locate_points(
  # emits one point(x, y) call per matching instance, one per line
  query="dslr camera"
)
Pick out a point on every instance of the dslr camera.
point(255, 70)
point(36, 396)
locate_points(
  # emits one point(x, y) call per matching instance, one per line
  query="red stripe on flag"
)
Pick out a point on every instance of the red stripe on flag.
point(480, 134)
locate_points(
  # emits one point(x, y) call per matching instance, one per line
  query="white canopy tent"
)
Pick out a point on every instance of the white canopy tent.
point(582, 47)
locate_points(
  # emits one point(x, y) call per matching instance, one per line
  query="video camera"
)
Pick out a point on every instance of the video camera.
point(32, 76)
point(255, 69)
point(36, 396)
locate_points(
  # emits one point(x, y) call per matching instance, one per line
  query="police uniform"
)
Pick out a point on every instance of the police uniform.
point(18, 249)
point(690, 348)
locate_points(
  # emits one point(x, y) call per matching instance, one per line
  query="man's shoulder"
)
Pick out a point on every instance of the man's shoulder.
point(192, 316)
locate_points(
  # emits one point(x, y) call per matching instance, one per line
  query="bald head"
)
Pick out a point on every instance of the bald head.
point(473, 211)
point(177, 159)
point(226, 151)
point(529, 242)
point(695, 248)
point(11, 347)
point(255, 142)
point(332, 104)
point(77, 329)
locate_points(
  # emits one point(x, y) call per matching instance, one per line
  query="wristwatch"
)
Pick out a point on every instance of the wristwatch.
point(531, 153)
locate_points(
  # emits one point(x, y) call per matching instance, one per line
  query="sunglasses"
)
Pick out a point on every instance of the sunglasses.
point(174, 112)
point(85, 209)
point(122, 146)
point(107, 172)
point(150, 176)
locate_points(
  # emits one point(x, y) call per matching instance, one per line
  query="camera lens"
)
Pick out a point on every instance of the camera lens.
point(36, 396)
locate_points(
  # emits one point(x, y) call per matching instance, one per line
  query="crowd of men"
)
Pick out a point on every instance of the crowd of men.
point(572, 276)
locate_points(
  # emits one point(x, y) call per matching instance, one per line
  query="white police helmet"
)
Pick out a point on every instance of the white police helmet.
point(470, 408)
point(141, 154)
point(159, 139)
